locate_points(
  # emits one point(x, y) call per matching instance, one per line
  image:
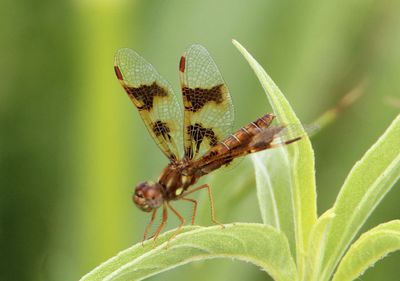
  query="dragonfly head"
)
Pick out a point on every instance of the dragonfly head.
point(148, 196)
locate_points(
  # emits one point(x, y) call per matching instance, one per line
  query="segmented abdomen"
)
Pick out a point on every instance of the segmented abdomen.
point(245, 134)
point(224, 152)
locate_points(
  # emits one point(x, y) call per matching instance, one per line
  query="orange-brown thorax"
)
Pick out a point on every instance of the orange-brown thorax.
point(176, 178)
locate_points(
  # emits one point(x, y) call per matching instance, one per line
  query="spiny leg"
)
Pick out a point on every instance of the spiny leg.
point(163, 222)
point(194, 207)
point(153, 216)
point(180, 218)
point(211, 201)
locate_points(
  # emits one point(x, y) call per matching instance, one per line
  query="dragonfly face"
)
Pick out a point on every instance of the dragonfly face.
point(148, 196)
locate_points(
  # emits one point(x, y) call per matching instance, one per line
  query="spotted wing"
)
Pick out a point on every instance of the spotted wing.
point(154, 98)
point(208, 109)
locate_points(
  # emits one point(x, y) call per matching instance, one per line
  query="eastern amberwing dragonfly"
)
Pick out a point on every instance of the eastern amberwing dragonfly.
point(206, 135)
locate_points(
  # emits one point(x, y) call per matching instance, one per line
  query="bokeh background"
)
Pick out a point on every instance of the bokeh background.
point(72, 146)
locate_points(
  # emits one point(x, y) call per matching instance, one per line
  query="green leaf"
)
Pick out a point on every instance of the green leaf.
point(316, 245)
point(259, 244)
point(300, 157)
point(368, 182)
point(368, 249)
point(274, 191)
point(113, 264)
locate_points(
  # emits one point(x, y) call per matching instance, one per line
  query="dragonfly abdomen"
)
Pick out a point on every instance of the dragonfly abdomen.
point(245, 134)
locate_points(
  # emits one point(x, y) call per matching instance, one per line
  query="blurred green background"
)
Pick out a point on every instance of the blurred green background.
point(72, 146)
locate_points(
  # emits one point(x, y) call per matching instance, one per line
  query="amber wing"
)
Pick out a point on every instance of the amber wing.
point(208, 109)
point(154, 98)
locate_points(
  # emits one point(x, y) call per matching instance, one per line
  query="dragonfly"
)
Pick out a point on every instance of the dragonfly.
point(197, 143)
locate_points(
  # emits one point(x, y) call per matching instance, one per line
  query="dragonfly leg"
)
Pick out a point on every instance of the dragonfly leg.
point(211, 201)
point(153, 216)
point(163, 222)
point(194, 207)
point(182, 220)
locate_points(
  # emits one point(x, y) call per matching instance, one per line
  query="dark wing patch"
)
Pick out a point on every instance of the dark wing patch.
point(143, 96)
point(154, 98)
point(206, 101)
point(199, 134)
point(161, 129)
point(196, 98)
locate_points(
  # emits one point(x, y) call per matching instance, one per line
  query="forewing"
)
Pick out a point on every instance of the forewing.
point(154, 99)
point(208, 109)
